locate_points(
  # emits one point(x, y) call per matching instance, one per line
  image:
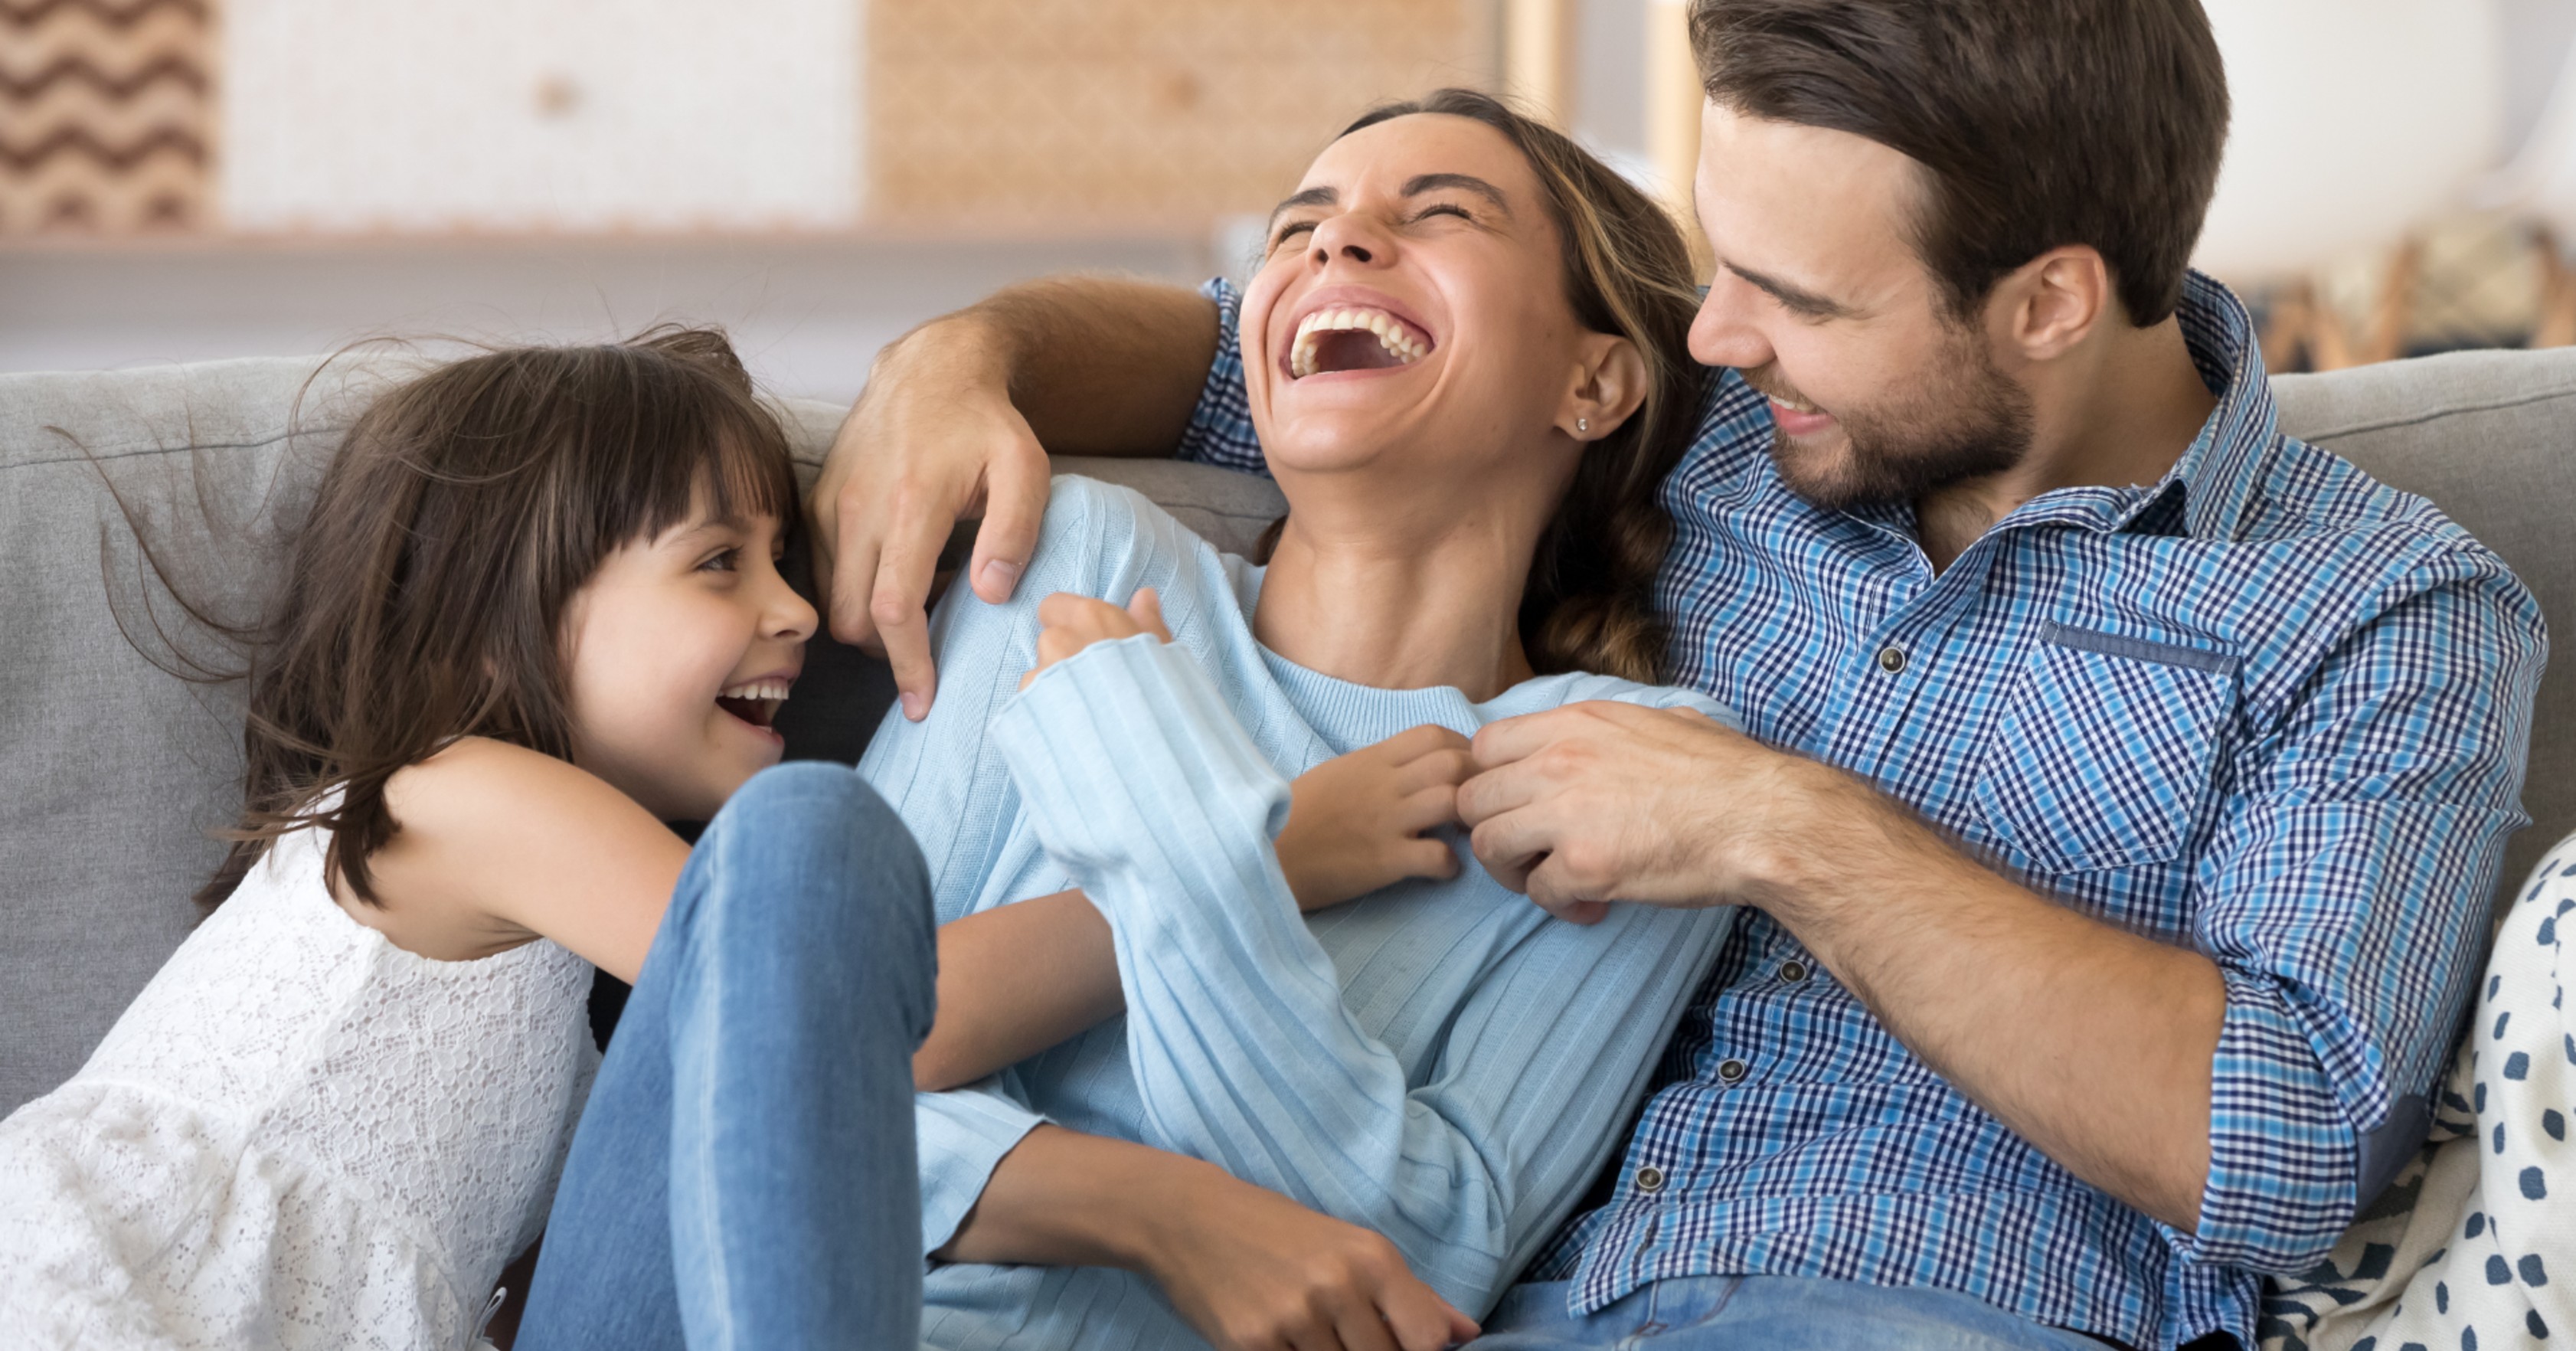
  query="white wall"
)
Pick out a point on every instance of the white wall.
point(807, 316)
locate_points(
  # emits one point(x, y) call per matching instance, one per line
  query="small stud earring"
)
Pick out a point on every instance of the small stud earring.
point(1582, 425)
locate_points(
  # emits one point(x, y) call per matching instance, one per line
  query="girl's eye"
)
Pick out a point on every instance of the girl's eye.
point(1295, 228)
point(722, 560)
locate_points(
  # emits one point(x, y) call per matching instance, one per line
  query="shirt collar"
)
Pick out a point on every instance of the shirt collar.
point(2217, 475)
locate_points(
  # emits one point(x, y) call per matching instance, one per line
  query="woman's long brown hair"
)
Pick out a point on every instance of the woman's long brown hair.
point(427, 590)
point(1590, 602)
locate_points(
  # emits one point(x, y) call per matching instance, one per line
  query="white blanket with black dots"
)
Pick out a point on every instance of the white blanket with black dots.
point(2474, 1246)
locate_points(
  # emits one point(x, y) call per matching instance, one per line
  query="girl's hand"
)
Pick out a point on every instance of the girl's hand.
point(1357, 822)
point(1073, 623)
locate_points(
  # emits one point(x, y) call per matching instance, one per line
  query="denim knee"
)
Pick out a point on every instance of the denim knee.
point(859, 885)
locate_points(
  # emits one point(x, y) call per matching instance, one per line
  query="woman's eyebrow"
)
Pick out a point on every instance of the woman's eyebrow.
point(1310, 197)
point(1422, 183)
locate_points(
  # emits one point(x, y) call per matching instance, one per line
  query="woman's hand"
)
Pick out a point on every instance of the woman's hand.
point(1255, 1271)
point(1073, 623)
point(1357, 822)
point(1248, 1268)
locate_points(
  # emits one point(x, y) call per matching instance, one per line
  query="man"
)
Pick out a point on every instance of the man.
point(2127, 781)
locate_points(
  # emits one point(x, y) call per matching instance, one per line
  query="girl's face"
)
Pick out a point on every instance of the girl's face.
point(681, 649)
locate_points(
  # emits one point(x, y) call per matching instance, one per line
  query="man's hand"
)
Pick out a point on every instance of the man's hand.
point(1072, 623)
point(1608, 801)
point(1357, 822)
point(956, 422)
point(933, 440)
point(1255, 1271)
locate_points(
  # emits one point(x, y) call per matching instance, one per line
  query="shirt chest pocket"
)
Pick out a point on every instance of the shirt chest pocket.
point(2101, 755)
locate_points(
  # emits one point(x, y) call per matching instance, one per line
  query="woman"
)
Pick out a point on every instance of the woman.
point(1468, 374)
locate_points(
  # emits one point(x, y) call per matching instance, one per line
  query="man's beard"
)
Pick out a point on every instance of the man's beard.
point(1963, 421)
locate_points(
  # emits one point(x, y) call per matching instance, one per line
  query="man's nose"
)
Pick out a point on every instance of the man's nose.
point(1724, 333)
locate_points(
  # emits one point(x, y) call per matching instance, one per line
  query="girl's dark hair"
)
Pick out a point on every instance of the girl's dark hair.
point(1590, 602)
point(428, 585)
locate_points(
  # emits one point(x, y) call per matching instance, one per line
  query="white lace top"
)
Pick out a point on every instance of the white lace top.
point(299, 1136)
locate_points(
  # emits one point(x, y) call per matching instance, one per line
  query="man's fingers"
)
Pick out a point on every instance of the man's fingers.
point(1358, 1326)
point(1510, 846)
point(1482, 797)
point(1015, 502)
point(1576, 912)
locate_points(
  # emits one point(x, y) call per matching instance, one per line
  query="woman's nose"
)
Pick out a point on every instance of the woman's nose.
point(1349, 236)
point(1723, 332)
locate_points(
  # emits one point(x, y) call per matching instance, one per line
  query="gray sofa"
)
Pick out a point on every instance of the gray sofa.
point(115, 766)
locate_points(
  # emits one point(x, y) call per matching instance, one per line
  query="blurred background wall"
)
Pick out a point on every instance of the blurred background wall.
point(184, 179)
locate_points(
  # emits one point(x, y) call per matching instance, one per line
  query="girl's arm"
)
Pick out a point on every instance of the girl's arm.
point(500, 845)
point(1142, 785)
point(1018, 979)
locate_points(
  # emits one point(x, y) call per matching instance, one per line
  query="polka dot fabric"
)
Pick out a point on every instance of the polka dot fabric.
point(2474, 1245)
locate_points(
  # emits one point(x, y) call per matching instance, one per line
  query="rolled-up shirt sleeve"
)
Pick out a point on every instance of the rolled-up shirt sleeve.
point(963, 1135)
point(1220, 431)
point(2346, 903)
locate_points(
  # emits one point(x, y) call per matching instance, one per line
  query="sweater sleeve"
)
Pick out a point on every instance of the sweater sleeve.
point(1141, 783)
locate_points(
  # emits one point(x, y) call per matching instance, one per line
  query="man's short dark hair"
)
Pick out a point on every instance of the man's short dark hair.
point(2042, 123)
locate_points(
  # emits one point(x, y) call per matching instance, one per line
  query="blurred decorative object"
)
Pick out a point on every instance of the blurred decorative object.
point(541, 116)
point(1674, 97)
point(103, 115)
point(1536, 70)
point(1100, 115)
point(2355, 120)
point(2541, 181)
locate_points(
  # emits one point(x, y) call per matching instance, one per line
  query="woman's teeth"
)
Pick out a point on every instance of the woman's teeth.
point(1393, 335)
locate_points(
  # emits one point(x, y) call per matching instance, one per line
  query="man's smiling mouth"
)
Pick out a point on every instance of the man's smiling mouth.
point(1353, 338)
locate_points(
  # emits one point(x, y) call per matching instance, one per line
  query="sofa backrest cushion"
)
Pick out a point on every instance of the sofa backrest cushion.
point(116, 769)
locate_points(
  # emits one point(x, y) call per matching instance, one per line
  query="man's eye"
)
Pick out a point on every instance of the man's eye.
point(1443, 209)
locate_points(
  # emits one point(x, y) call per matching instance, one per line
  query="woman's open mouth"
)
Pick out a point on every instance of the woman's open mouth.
point(1354, 338)
point(755, 701)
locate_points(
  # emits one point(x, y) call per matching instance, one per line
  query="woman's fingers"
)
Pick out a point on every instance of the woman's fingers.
point(1421, 1320)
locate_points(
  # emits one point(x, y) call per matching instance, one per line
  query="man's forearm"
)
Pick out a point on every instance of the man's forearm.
point(1099, 365)
point(2093, 1043)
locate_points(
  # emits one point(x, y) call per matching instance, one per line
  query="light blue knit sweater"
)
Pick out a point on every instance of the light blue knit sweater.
point(1439, 1061)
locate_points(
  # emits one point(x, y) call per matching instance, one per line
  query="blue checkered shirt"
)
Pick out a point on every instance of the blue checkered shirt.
point(2266, 707)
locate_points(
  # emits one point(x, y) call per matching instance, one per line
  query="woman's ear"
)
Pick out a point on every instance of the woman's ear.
point(1609, 383)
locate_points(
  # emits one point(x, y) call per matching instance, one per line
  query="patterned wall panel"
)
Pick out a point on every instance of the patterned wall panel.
point(1103, 114)
point(104, 115)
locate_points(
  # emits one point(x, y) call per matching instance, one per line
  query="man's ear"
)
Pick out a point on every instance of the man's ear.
point(2054, 302)
point(1609, 383)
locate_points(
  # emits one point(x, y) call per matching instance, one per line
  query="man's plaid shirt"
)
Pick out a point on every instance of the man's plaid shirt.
point(2266, 707)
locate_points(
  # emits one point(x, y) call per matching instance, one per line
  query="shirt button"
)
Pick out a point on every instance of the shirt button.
point(1730, 1069)
point(1891, 659)
point(1793, 972)
point(1650, 1179)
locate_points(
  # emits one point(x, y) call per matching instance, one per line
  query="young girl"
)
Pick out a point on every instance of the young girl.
point(535, 613)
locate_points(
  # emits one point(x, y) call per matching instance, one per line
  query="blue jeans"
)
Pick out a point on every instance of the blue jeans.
point(744, 1173)
point(1767, 1313)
